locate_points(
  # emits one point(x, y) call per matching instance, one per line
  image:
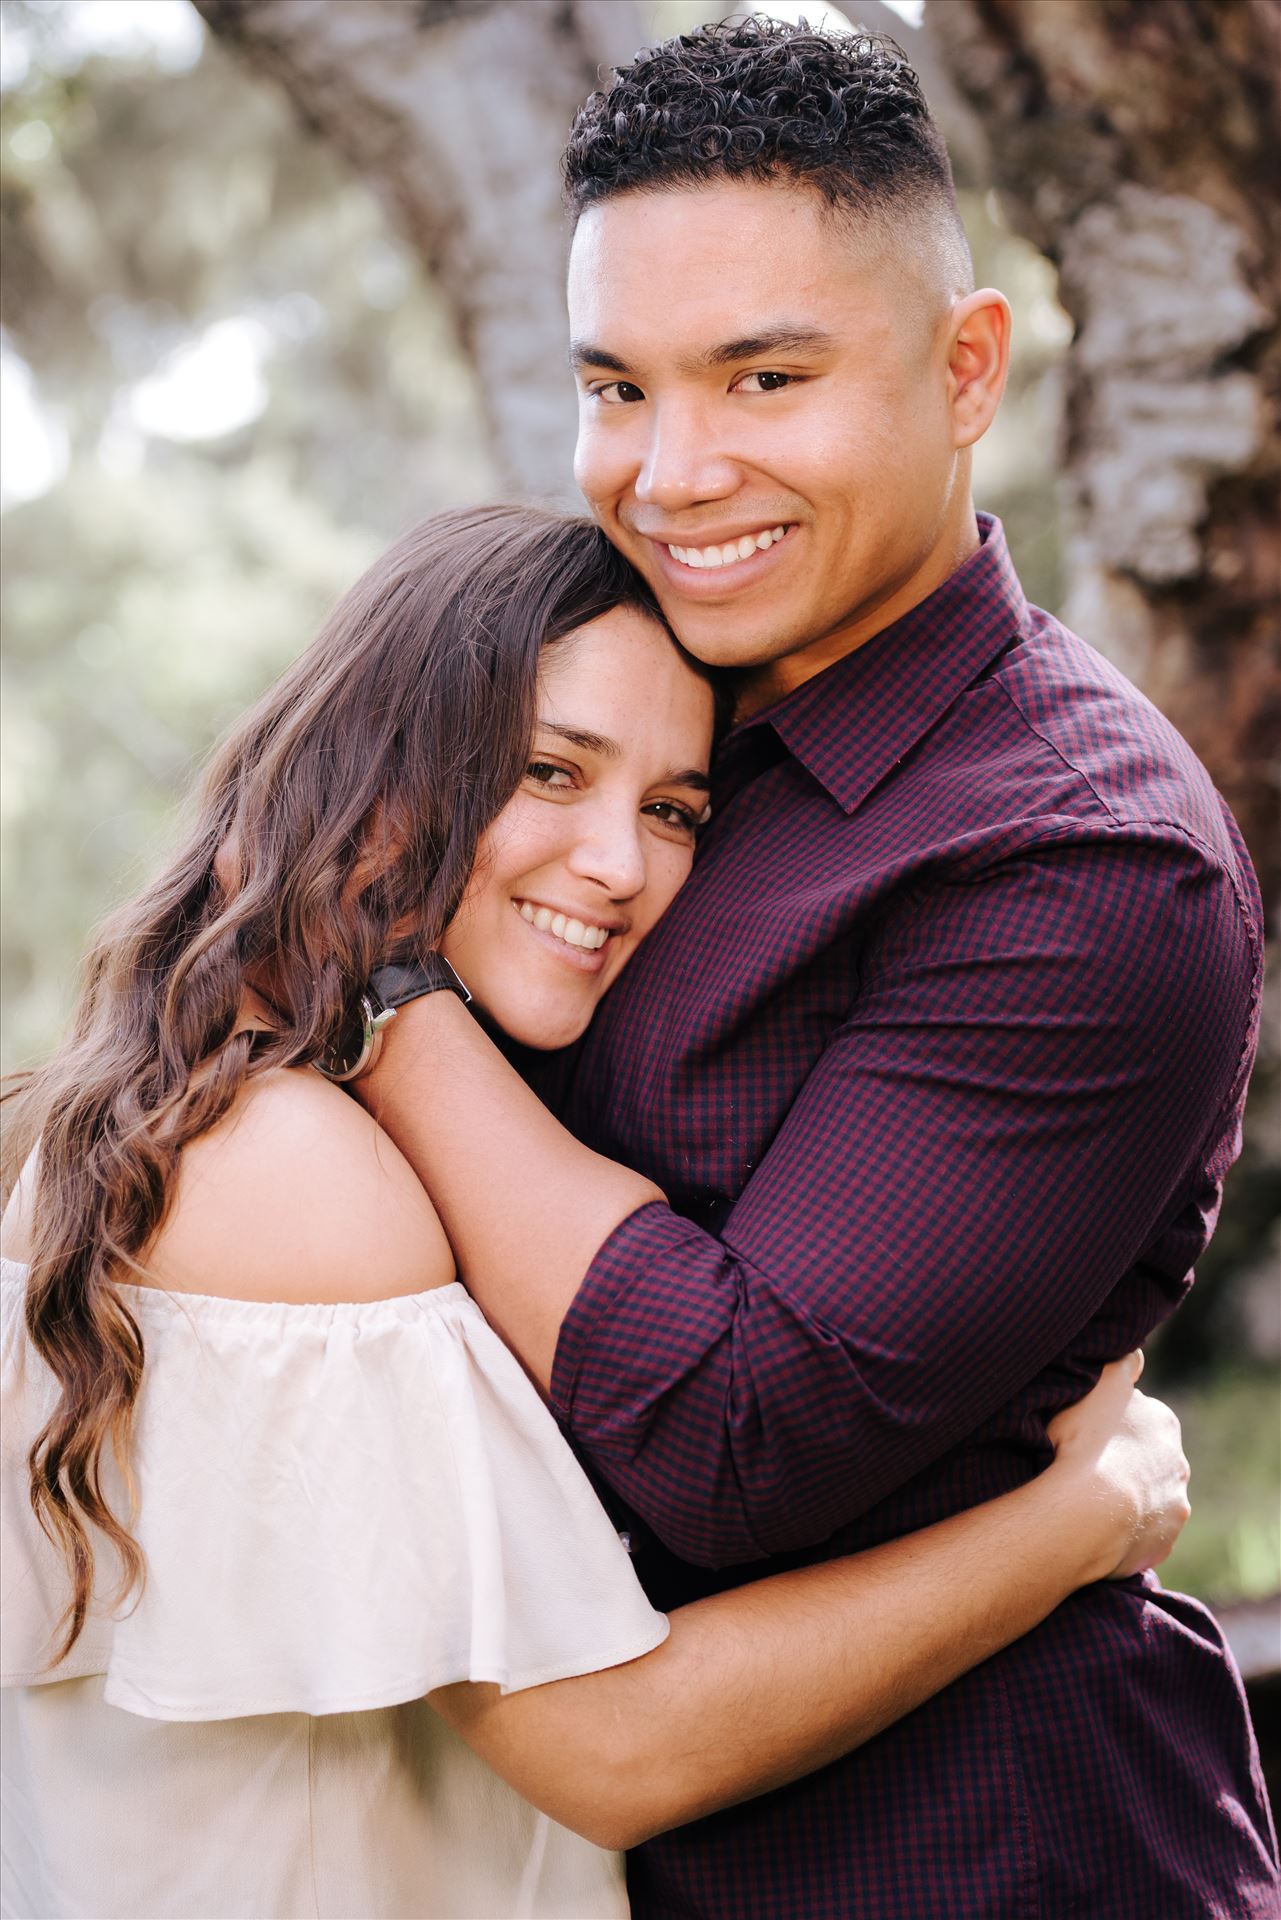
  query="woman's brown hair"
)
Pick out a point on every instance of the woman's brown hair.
point(405, 724)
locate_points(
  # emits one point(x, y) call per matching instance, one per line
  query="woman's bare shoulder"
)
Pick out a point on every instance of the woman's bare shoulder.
point(298, 1195)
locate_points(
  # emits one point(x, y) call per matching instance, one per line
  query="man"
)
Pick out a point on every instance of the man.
point(939, 1058)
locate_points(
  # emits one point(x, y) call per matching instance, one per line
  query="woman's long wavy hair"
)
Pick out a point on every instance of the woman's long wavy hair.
point(404, 728)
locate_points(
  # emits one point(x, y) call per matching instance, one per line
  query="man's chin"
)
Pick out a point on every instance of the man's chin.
point(723, 640)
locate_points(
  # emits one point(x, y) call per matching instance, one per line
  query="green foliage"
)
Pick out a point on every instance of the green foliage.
point(157, 588)
point(1231, 1547)
point(146, 613)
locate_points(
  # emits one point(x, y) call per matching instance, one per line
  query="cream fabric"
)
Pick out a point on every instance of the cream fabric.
point(341, 1507)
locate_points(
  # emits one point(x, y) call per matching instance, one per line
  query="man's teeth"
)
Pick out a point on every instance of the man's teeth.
point(572, 932)
point(733, 550)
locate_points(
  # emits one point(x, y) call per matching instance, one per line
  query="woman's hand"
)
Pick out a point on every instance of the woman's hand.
point(1126, 1453)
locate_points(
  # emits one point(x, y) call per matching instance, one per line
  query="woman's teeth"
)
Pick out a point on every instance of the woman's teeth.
point(731, 552)
point(573, 932)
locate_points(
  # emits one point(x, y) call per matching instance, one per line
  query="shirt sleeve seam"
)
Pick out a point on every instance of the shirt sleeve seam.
point(743, 1266)
point(1051, 831)
point(1138, 826)
point(1053, 747)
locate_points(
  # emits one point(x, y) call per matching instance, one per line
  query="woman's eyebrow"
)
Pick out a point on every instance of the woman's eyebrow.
point(581, 737)
point(608, 749)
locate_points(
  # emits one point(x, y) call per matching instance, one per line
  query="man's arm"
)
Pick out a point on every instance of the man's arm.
point(1030, 1074)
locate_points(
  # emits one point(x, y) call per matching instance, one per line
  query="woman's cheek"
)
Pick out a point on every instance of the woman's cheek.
point(675, 872)
point(669, 867)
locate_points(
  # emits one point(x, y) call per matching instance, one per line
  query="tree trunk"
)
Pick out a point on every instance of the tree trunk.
point(456, 112)
point(1134, 142)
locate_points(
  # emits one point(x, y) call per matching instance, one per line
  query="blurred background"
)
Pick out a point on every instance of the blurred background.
point(282, 276)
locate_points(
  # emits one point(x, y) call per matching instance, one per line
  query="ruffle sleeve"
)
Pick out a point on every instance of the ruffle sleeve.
point(340, 1506)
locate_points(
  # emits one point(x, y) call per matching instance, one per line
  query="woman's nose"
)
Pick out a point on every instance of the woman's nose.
point(609, 851)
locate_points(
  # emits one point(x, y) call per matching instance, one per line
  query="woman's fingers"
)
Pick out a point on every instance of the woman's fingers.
point(1131, 1448)
point(1148, 1460)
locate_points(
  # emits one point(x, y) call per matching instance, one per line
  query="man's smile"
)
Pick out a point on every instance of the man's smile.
point(729, 552)
point(723, 563)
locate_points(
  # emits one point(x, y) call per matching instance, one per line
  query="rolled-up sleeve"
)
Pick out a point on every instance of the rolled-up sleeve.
point(1034, 1062)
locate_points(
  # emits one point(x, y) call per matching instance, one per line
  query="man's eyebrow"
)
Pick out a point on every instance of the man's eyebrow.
point(785, 338)
point(609, 749)
point(583, 354)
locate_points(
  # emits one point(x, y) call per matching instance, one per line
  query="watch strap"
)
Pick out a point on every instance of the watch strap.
point(396, 982)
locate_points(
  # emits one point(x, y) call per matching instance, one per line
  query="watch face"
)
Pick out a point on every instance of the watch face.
point(351, 1051)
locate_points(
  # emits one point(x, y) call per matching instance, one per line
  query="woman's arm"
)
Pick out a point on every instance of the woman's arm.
point(758, 1686)
point(524, 1260)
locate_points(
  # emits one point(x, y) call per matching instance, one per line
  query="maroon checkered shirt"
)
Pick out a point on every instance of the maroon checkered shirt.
point(940, 1057)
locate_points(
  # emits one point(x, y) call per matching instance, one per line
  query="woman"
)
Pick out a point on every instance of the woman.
point(250, 1408)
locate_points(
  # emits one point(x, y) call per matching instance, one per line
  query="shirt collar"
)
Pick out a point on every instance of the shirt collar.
point(851, 723)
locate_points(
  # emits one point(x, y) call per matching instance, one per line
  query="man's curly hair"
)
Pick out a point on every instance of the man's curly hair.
point(762, 99)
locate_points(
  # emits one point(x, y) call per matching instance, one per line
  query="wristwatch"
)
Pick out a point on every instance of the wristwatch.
point(360, 1041)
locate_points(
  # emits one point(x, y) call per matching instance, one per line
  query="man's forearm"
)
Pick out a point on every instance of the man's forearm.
point(525, 1205)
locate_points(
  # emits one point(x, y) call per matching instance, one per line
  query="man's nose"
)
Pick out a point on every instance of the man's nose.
point(682, 464)
point(609, 851)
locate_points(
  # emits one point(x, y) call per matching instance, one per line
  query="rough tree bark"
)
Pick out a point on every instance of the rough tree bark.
point(1134, 142)
point(456, 112)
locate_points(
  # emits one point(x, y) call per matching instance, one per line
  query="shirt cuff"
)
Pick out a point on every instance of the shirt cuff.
point(643, 1238)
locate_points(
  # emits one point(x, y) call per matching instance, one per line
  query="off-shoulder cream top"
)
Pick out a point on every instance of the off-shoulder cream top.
point(341, 1508)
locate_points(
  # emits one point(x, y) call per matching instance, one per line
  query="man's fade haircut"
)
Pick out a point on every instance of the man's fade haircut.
point(839, 112)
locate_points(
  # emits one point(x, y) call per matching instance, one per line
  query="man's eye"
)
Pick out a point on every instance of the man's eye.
point(617, 393)
point(766, 382)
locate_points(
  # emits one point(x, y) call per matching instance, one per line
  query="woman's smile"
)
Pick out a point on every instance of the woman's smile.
point(580, 941)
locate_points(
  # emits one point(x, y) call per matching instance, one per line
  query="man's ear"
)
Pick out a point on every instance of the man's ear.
point(978, 361)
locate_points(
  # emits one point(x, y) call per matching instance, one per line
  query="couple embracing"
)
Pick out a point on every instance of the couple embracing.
point(798, 1002)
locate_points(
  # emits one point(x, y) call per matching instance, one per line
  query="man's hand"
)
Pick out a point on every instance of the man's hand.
point(1129, 1447)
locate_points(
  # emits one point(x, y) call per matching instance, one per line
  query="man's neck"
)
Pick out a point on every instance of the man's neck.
point(774, 682)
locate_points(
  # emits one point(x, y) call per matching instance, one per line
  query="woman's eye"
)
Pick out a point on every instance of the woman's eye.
point(766, 382)
point(617, 393)
point(672, 814)
point(545, 773)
